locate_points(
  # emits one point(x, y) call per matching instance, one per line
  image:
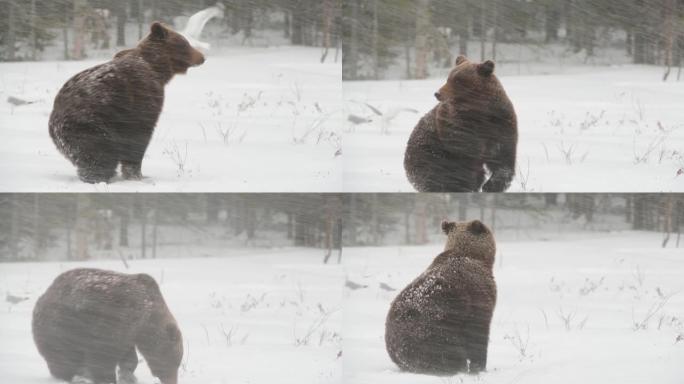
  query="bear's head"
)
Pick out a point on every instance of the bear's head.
point(472, 239)
point(164, 351)
point(168, 50)
point(468, 80)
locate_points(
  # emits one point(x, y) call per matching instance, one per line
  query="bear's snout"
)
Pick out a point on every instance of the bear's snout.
point(197, 59)
point(173, 379)
point(438, 96)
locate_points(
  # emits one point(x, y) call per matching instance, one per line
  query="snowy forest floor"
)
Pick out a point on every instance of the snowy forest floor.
point(262, 317)
point(571, 308)
point(249, 119)
point(583, 129)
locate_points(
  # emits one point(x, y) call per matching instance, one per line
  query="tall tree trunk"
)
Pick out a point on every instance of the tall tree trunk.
point(421, 219)
point(407, 227)
point(248, 19)
point(423, 26)
point(351, 221)
point(141, 19)
point(495, 24)
point(287, 25)
point(640, 42)
point(290, 225)
point(155, 226)
point(328, 16)
point(494, 203)
point(669, 25)
point(80, 14)
point(299, 230)
point(143, 228)
point(337, 240)
point(37, 236)
point(212, 208)
point(375, 223)
point(483, 30)
point(11, 31)
point(463, 207)
point(123, 228)
point(32, 36)
point(298, 23)
point(333, 207)
point(83, 226)
point(353, 62)
point(551, 22)
point(14, 227)
point(463, 28)
point(376, 38)
point(121, 24)
point(668, 210)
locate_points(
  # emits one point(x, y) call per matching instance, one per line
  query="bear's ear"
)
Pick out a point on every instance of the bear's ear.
point(158, 31)
point(486, 68)
point(448, 226)
point(476, 227)
point(461, 59)
point(172, 332)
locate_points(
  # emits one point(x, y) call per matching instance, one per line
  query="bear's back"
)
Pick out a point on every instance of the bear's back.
point(451, 284)
point(119, 89)
point(95, 292)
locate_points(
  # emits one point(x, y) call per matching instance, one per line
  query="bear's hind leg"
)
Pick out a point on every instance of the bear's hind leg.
point(477, 342)
point(101, 367)
point(131, 153)
point(127, 365)
point(62, 370)
point(131, 170)
point(97, 169)
point(94, 175)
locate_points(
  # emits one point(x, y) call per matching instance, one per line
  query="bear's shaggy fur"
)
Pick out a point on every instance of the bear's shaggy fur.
point(474, 126)
point(105, 115)
point(439, 324)
point(89, 321)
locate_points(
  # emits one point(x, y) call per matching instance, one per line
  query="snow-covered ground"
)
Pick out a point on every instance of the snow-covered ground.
point(583, 129)
point(249, 119)
point(258, 317)
point(572, 308)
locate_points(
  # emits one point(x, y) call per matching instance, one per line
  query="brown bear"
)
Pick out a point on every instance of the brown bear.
point(89, 321)
point(439, 324)
point(105, 115)
point(474, 126)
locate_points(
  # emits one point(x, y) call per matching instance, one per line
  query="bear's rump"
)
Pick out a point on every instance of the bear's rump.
point(425, 341)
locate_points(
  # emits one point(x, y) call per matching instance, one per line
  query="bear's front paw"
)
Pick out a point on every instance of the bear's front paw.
point(499, 182)
point(81, 380)
point(131, 173)
point(475, 368)
point(495, 186)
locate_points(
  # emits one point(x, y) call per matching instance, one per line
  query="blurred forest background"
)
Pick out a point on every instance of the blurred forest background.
point(414, 219)
point(133, 226)
point(413, 39)
point(75, 29)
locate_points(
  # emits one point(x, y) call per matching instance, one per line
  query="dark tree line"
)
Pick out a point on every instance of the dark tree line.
point(79, 226)
point(375, 32)
point(28, 26)
point(372, 219)
point(35, 226)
